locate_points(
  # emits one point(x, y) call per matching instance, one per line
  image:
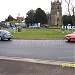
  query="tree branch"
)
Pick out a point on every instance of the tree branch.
point(68, 3)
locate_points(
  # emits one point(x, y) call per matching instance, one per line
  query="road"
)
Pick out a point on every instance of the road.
point(39, 49)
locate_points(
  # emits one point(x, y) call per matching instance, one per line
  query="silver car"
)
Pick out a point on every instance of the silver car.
point(4, 34)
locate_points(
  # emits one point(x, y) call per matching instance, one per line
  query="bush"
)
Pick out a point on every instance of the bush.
point(19, 28)
point(0, 27)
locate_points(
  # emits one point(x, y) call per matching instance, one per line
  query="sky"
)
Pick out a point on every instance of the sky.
point(14, 7)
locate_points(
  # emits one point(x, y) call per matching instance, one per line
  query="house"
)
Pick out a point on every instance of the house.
point(20, 19)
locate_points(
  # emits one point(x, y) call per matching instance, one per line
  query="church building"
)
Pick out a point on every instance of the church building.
point(55, 17)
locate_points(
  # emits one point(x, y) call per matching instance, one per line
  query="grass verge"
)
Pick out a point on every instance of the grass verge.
point(39, 33)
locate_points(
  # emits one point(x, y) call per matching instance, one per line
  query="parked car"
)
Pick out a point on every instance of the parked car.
point(70, 37)
point(4, 34)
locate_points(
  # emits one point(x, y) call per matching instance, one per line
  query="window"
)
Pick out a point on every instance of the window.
point(57, 7)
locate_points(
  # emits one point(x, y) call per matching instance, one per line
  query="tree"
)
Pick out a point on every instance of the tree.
point(10, 18)
point(30, 17)
point(67, 20)
point(71, 11)
point(36, 16)
point(68, 3)
point(40, 16)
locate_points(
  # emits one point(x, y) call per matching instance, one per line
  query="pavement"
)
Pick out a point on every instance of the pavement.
point(25, 66)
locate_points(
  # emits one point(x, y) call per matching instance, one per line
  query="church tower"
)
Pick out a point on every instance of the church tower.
point(56, 13)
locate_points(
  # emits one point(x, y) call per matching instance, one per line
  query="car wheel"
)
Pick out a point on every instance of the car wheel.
point(69, 40)
point(1, 38)
point(8, 38)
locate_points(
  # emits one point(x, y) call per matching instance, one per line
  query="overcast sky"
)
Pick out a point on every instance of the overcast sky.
point(13, 7)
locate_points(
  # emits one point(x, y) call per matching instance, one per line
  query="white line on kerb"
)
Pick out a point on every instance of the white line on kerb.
point(51, 62)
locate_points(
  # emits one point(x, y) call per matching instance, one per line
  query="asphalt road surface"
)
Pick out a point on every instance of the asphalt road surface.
point(39, 49)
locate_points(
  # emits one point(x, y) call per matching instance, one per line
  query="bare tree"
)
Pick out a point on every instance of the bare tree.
point(71, 9)
point(68, 3)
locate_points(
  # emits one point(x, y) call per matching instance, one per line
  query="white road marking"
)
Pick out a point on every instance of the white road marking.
point(51, 62)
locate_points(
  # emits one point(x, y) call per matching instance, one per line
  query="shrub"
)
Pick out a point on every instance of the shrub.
point(19, 28)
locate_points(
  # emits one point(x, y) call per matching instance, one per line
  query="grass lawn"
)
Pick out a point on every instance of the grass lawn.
point(39, 33)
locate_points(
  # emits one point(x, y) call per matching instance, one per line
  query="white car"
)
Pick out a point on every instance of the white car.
point(4, 34)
